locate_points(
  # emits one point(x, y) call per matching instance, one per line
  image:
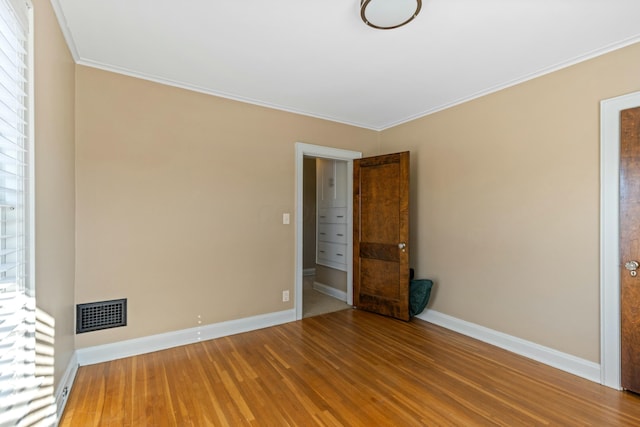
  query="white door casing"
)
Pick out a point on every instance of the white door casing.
point(610, 365)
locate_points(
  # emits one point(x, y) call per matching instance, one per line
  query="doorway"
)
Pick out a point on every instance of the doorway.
point(324, 285)
point(308, 150)
point(610, 355)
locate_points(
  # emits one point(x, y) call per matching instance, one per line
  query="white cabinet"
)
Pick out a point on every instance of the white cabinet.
point(332, 183)
point(332, 215)
point(331, 238)
point(335, 233)
point(332, 254)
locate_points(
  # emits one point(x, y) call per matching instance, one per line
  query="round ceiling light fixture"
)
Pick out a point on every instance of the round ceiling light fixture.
point(388, 14)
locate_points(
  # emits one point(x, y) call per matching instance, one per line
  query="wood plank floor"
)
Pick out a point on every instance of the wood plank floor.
point(349, 368)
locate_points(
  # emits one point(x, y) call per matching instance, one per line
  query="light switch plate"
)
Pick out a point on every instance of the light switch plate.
point(285, 218)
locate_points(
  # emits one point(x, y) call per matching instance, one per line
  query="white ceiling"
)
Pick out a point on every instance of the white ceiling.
point(316, 57)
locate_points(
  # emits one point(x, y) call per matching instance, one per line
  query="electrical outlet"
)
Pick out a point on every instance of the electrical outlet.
point(285, 296)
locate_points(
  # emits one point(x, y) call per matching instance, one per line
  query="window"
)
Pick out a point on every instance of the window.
point(20, 388)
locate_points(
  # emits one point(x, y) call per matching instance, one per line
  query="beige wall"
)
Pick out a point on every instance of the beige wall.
point(55, 180)
point(505, 203)
point(180, 198)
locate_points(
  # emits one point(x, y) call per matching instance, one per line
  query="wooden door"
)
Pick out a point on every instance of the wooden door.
point(381, 234)
point(630, 247)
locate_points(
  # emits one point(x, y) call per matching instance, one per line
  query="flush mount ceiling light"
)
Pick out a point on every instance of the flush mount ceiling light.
point(388, 14)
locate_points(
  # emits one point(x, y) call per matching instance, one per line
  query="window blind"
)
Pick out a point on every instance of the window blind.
point(20, 386)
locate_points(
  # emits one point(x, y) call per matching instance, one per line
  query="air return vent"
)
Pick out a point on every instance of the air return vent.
point(94, 316)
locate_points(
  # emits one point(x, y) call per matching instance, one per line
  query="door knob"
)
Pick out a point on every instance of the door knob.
point(402, 246)
point(632, 266)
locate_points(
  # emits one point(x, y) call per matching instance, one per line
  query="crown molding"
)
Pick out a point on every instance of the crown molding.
point(544, 71)
point(379, 128)
point(66, 32)
point(219, 94)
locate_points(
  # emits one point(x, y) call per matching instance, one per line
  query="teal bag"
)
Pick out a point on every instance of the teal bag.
point(419, 293)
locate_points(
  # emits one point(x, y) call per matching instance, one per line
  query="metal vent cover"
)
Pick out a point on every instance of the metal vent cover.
point(94, 316)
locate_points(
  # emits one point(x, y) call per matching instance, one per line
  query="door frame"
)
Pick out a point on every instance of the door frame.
point(303, 149)
point(610, 352)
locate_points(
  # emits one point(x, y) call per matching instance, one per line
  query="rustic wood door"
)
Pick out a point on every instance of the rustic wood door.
point(381, 234)
point(630, 248)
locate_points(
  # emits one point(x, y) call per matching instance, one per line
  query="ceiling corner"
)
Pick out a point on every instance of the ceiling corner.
point(62, 22)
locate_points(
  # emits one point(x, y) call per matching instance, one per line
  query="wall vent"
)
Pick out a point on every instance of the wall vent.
point(94, 316)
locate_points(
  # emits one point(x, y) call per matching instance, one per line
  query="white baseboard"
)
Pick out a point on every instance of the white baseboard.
point(563, 361)
point(309, 272)
point(328, 290)
point(66, 383)
point(134, 347)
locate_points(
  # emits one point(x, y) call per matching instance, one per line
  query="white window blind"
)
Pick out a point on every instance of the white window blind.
point(20, 387)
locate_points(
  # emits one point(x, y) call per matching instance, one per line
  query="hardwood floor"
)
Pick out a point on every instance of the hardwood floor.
point(348, 368)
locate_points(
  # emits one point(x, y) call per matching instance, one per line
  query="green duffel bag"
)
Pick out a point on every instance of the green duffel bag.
point(419, 293)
